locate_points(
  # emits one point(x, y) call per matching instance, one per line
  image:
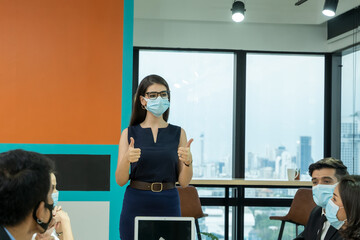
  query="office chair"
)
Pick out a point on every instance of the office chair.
point(299, 211)
point(190, 205)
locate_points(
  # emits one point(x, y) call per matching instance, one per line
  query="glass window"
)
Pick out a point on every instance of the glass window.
point(350, 112)
point(257, 224)
point(284, 114)
point(201, 86)
point(211, 192)
point(214, 223)
point(270, 192)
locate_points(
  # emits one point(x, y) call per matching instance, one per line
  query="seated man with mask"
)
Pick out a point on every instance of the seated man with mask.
point(325, 175)
point(25, 194)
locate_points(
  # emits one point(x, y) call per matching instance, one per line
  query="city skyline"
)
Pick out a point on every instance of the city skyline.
point(350, 142)
point(202, 102)
point(274, 165)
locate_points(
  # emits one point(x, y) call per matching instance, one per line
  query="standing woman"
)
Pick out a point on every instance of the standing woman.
point(343, 210)
point(154, 155)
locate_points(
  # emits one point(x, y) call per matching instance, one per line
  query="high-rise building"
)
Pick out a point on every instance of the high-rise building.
point(202, 148)
point(252, 162)
point(304, 153)
point(350, 144)
point(280, 150)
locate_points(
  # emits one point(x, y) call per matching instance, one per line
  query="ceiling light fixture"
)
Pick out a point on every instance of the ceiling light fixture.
point(330, 7)
point(238, 11)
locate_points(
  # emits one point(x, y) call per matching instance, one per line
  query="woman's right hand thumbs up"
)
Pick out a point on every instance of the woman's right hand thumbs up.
point(133, 153)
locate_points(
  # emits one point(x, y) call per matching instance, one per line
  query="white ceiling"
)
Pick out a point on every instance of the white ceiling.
point(257, 11)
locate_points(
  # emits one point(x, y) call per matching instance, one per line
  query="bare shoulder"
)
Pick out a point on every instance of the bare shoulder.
point(125, 131)
point(183, 139)
point(182, 133)
point(124, 135)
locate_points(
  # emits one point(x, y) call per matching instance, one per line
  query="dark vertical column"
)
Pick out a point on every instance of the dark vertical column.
point(239, 137)
point(239, 118)
point(332, 108)
point(336, 66)
point(135, 70)
point(226, 213)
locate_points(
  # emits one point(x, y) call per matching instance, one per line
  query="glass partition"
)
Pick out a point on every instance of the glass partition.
point(284, 114)
point(257, 224)
point(350, 112)
point(270, 193)
point(201, 85)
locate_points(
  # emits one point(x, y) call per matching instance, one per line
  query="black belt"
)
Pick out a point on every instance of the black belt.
point(154, 187)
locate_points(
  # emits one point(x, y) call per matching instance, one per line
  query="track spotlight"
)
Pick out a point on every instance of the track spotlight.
point(330, 7)
point(238, 10)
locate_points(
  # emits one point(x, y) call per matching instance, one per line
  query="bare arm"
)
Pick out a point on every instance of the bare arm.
point(123, 166)
point(63, 225)
point(127, 155)
point(185, 157)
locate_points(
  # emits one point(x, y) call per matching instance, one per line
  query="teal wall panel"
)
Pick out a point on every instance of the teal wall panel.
point(116, 193)
point(114, 196)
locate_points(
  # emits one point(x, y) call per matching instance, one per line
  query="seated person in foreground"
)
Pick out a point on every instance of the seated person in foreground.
point(325, 175)
point(62, 229)
point(343, 210)
point(25, 194)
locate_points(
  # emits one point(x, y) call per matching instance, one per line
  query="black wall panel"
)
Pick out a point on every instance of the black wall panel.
point(343, 23)
point(75, 172)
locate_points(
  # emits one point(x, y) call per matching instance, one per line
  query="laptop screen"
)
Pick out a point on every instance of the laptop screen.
point(164, 228)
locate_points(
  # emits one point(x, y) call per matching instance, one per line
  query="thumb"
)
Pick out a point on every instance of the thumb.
point(189, 142)
point(132, 142)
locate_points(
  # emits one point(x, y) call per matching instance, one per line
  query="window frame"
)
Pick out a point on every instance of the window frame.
point(332, 120)
point(353, 49)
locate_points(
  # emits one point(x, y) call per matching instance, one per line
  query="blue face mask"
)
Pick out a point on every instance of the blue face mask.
point(157, 106)
point(322, 194)
point(331, 211)
point(55, 197)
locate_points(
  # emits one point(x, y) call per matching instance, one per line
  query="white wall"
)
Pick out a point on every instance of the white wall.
point(89, 220)
point(244, 36)
point(223, 35)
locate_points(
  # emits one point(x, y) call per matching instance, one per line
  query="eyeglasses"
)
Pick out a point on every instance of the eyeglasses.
point(154, 95)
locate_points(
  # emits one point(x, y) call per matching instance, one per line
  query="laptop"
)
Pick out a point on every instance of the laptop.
point(164, 228)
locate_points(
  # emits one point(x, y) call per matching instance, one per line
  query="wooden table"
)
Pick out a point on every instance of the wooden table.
point(250, 183)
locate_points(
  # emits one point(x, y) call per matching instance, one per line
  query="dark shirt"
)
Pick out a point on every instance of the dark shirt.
point(3, 234)
point(314, 225)
point(159, 160)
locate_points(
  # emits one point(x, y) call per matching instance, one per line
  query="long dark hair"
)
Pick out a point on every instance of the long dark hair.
point(138, 113)
point(349, 189)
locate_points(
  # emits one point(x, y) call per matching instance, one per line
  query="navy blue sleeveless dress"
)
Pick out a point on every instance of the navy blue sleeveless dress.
point(158, 163)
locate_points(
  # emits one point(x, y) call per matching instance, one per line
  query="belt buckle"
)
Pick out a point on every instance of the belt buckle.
point(156, 183)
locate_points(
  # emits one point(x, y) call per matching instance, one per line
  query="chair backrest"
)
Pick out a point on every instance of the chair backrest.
point(301, 206)
point(190, 202)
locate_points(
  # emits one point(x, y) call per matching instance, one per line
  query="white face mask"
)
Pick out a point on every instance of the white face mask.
point(331, 211)
point(322, 194)
point(55, 197)
point(157, 106)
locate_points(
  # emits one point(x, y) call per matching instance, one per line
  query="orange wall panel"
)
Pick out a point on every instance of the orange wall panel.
point(60, 71)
